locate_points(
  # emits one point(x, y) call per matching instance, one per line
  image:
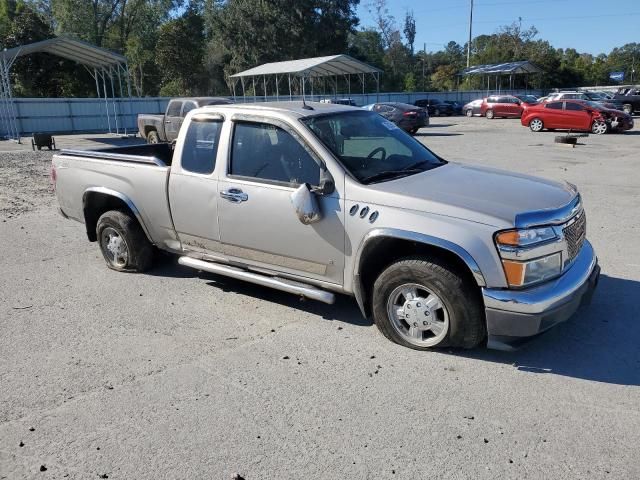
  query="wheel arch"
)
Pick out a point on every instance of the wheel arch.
point(381, 247)
point(98, 200)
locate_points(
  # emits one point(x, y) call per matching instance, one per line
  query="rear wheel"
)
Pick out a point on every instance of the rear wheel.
point(536, 125)
point(436, 112)
point(423, 303)
point(469, 113)
point(490, 114)
point(599, 127)
point(627, 108)
point(123, 244)
point(153, 137)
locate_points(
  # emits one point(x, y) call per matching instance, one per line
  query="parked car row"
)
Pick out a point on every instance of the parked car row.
point(584, 111)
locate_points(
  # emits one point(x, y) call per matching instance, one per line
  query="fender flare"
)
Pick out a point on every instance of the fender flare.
point(121, 196)
point(377, 233)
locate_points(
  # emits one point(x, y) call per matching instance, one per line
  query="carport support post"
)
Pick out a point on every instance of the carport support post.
point(277, 89)
point(264, 84)
point(255, 98)
point(113, 100)
point(290, 95)
point(244, 94)
point(106, 100)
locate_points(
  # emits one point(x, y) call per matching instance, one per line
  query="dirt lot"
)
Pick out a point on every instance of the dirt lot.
point(181, 375)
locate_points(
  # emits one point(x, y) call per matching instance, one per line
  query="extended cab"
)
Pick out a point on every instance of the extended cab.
point(165, 128)
point(321, 199)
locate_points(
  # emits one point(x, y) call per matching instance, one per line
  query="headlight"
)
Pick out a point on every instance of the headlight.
point(523, 274)
point(525, 238)
point(529, 256)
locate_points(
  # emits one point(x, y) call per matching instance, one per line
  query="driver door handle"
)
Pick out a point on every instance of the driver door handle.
point(234, 195)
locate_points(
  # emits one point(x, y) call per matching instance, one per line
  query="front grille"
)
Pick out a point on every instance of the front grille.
point(575, 234)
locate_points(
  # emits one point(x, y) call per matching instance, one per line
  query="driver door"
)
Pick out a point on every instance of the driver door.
point(258, 224)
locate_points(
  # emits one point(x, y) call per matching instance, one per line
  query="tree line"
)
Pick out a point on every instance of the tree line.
point(190, 47)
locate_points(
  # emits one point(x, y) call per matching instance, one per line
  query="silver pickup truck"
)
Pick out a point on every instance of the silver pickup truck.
point(321, 199)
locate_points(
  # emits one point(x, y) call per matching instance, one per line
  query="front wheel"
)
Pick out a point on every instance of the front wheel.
point(123, 244)
point(423, 303)
point(599, 127)
point(490, 114)
point(627, 108)
point(536, 125)
point(469, 113)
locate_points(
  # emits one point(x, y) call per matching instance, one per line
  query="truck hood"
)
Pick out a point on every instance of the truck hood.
point(479, 194)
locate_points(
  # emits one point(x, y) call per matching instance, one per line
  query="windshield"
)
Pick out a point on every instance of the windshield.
point(370, 147)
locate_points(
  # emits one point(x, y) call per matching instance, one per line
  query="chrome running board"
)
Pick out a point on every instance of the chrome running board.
point(307, 291)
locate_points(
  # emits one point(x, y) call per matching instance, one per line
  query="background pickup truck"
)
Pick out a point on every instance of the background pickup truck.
point(630, 99)
point(165, 128)
point(321, 199)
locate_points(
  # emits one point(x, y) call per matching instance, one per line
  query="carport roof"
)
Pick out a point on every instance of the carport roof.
point(69, 48)
point(312, 67)
point(509, 68)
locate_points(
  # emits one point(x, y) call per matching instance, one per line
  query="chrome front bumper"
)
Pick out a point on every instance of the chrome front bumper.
point(515, 315)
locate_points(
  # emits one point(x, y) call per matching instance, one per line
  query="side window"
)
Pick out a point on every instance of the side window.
point(573, 106)
point(188, 106)
point(201, 146)
point(268, 152)
point(491, 100)
point(554, 105)
point(173, 110)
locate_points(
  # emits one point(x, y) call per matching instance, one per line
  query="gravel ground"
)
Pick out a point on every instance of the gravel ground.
point(177, 374)
point(24, 182)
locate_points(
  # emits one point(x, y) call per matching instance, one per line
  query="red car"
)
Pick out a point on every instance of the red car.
point(577, 115)
point(501, 106)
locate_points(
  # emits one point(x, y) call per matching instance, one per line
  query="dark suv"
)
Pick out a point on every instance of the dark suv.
point(435, 107)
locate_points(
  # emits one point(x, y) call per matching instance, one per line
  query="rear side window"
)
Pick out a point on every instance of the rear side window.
point(174, 108)
point(188, 106)
point(201, 146)
point(267, 152)
point(491, 100)
point(554, 105)
point(573, 106)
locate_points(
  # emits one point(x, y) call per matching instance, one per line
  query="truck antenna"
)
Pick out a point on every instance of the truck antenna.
point(304, 104)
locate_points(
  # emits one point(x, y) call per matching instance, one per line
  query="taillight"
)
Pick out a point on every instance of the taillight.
point(410, 113)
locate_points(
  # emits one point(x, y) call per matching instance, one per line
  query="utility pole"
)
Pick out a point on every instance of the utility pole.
point(424, 61)
point(470, 25)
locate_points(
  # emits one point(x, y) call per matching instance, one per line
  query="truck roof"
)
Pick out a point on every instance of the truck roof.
point(294, 107)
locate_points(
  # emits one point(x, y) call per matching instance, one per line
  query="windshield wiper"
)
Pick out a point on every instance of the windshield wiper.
point(388, 174)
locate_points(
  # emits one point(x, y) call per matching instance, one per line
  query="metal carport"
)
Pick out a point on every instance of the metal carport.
point(308, 70)
point(109, 70)
point(499, 70)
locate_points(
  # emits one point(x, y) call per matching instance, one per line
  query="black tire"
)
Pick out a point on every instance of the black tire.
point(413, 131)
point(153, 137)
point(627, 108)
point(489, 114)
point(436, 112)
point(459, 295)
point(599, 128)
point(139, 251)
point(469, 113)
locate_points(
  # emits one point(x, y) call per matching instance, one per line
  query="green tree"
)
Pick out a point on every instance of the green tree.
point(179, 55)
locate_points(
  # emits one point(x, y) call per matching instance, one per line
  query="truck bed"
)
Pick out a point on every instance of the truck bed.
point(160, 154)
point(137, 174)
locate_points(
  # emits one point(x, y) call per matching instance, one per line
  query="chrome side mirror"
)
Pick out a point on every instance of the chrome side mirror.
point(306, 205)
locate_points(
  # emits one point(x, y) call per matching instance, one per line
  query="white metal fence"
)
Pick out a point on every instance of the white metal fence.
point(85, 115)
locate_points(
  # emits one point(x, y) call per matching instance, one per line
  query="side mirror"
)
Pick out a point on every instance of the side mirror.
point(306, 205)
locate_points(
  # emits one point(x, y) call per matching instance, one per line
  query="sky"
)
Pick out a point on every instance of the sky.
point(589, 26)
